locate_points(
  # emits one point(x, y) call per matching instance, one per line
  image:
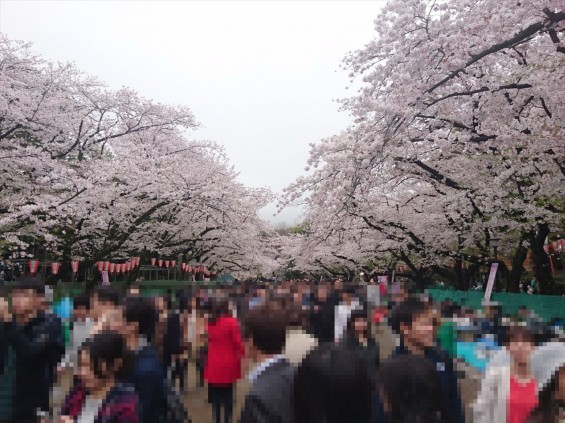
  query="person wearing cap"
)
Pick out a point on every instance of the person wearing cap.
point(548, 368)
point(509, 391)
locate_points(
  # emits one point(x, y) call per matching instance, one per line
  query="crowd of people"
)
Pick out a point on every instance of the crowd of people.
point(310, 351)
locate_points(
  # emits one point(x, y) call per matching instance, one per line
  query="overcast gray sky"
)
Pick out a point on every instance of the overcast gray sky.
point(261, 76)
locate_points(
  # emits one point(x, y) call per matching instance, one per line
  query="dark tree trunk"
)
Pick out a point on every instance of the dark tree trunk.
point(458, 271)
point(540, 260)
point(517, 267)
point(502, 275)
point(468, 275)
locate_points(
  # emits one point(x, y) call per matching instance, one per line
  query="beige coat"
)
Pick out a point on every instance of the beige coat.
point(490, 406)
point(298, 344)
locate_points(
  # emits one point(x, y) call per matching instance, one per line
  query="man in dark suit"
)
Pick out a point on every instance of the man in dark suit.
point(414, 322)
point(269, 398)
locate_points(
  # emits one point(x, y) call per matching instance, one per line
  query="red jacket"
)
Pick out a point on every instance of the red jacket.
point(225, 351)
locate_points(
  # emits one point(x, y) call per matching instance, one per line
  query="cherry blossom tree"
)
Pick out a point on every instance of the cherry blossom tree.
point(90, 173)
point(458, 135)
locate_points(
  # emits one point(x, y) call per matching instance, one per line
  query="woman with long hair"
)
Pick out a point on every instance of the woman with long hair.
point(99, 395)
point(223, 363)
point(409, 388)
point(332, 386)
point(358, 337)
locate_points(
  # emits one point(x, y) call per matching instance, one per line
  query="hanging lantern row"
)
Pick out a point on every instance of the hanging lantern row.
point(185, 267)
point(122, 267)
point(55, 266)
point(106, 266)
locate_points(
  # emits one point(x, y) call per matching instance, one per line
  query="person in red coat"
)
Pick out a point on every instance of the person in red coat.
point(223, 364)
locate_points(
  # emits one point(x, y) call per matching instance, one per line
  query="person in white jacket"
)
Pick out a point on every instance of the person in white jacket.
point(343, 311)
point(509, 391)
point(81, 328)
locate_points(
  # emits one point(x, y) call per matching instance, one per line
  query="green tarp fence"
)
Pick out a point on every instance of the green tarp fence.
point(546, 306)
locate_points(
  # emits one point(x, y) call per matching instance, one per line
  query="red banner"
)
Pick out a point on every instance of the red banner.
point(167, 262)
point(173, 262)
point(100, 266)
point(153, 261)
point(183, 266)
point(55, 266)
point(106, 265)
point(188, 269)
point(160, 262)
point(74, 266)
point(128, 266)
point(112, 267)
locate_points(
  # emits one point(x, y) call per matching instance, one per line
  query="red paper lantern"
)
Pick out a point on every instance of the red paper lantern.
point(128, 266)
point(153, 261)
point(167, 262)
point(33, 266)
point(173, 262)
point(188, 269)
point(74, 266)
point(160, 263)
point(183, 266)
point(100, 266)
point(112, 267)
point(106, 266)
point(55, 266)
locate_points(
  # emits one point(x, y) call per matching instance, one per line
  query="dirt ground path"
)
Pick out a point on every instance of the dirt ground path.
point(196, 399)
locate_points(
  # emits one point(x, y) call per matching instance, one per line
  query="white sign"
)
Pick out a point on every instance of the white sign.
point(490, 283)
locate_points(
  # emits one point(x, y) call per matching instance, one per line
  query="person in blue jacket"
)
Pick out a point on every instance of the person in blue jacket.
point(148, 376)
point(414, 322)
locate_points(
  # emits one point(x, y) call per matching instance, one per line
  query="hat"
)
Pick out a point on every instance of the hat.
point(546, 361)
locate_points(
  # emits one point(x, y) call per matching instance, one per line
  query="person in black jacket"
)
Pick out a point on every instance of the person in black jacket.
point(172, 344)
point(358, 338)
point(148, 376)
point(268, 399)
point(322, 316)
point(414, 322)
point(27, 341)
point(409, 385)
point(331, 385)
